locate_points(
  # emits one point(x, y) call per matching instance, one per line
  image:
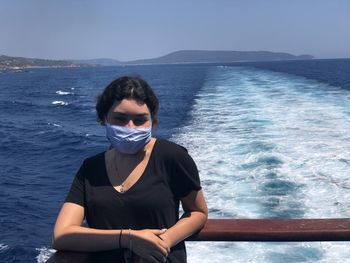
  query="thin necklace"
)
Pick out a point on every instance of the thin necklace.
point(122, 185)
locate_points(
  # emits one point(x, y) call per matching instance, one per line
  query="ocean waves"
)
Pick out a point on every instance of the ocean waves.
point(270, 145)
point(43, 139)
point(19, 253)
point(267, 145)
point(60, 92)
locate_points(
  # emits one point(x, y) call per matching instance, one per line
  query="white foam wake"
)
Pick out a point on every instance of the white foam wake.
point(44, 254)
point(59, 102)
point(3, 247)
point(60, 92)
point(270, 145)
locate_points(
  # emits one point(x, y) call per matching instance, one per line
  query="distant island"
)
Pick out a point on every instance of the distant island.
point(178, 57)
point(18, 63)
point(207, 56)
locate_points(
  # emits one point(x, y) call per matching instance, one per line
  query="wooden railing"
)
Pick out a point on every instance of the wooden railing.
point(257, 230)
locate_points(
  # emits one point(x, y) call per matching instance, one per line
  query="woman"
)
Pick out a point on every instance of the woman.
point(130, 194)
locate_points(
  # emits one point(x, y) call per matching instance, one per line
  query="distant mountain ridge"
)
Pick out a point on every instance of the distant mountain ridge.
point(209, 56)
point(177, 57)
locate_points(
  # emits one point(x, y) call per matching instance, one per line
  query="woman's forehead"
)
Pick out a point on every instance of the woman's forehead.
point(130, 106)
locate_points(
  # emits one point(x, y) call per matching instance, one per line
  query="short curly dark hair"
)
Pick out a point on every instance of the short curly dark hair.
point(127, 87)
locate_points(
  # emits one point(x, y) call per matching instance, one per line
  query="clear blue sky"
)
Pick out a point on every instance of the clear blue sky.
point(135, 29)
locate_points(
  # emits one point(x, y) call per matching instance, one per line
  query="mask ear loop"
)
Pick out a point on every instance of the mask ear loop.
point(153, 127)
point(105, 123)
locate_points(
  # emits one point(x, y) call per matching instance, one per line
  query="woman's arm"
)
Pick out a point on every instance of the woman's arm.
point(194, 218)
point(70, 235)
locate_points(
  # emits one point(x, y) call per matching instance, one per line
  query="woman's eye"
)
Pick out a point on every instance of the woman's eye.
point(140, 121)
point(121, 119)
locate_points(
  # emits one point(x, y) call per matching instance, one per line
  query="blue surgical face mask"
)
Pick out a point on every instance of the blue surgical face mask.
point(128, 140)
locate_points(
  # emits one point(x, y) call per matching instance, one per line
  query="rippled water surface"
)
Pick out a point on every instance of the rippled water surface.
point(268, 144)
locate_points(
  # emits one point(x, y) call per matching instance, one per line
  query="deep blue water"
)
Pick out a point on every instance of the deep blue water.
point(273, 121)
point(335, 72)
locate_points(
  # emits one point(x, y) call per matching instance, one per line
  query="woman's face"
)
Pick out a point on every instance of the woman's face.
point(129, 113)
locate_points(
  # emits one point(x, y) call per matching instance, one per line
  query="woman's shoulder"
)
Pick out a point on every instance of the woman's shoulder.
point(167, 147)
point(96, 159)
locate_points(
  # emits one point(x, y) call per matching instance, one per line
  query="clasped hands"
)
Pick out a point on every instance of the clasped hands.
point(148, 244)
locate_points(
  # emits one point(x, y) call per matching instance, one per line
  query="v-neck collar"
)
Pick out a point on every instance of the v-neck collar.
point(131, 188)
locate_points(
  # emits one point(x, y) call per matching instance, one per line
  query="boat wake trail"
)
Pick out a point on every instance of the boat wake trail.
point(270, 145)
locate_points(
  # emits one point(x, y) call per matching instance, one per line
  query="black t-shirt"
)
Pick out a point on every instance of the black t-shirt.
point(152, 202)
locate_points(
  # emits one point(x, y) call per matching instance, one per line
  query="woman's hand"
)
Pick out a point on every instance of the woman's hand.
point(147, 244)
point(194, 218)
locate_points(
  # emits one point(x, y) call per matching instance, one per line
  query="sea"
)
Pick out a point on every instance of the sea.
point(270, 139)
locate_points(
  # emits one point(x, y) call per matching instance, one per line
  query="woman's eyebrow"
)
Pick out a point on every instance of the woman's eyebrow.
point(127, 114)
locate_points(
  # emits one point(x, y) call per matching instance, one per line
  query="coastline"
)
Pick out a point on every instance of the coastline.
point(28, 67)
